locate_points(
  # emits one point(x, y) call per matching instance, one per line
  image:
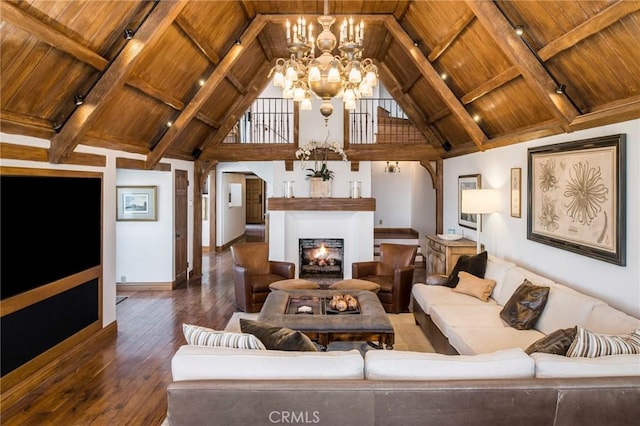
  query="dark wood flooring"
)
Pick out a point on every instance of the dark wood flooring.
point(123, 381)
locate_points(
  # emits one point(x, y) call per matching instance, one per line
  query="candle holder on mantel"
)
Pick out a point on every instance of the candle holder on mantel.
point(354, 189)
point(320, 188)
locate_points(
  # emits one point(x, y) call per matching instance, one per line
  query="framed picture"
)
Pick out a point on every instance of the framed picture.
point(576, 197)
point(516, 192)
point(136, 203)
point(468, 220)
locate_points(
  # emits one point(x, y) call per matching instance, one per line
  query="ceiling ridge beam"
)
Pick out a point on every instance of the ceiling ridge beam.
point(197, 40)
point(595, 24)
point(54, 38)
point(435, 81)
point(113, 79)
point(530, 66)
point(367, 18)
point(456, 30)
point(192, 108)
point(140, 84)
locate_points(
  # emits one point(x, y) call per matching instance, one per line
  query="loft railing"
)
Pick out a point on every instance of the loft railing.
point(268, 120)
point(381, 121)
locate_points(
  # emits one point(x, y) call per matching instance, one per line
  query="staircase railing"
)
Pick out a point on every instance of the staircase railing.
point(381, 121)
point(268, 120)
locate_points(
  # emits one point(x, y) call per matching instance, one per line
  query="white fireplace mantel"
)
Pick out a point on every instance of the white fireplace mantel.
point(355, 227)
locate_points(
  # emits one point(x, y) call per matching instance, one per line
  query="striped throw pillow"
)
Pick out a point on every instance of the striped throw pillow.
point(588, 344)
point(202, 336)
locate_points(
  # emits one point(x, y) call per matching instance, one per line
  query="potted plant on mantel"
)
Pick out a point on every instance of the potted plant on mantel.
point(319, 176)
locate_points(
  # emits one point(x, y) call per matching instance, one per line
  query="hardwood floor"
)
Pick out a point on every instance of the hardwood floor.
point(123, 381)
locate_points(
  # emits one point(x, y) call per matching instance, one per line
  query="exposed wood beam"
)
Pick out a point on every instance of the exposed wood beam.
point(138, 83)
point(534, 73)
point(401, 9)
point(25, 121)
point(597, 23)
point(126, 145)
point(248, 9)
point(21, 19)
point(454, 32)
point(132, 164)
point(248, 152)
point(208, 121)
point(113, 79)
point(615, 112)
point(392, 152)
point(408, 105)
point(264, 46)
point(238, 108)
point(503, 78)
point(384, 47)
point(200, 42)
point(236, 83)
point(190, 111)
point(411, 82)
point(438, 115)
point(434, 79)
point(31, 153)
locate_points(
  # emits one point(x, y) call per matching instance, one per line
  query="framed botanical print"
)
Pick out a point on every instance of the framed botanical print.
point(468, 220)
point(576, 197)
point(516, 192)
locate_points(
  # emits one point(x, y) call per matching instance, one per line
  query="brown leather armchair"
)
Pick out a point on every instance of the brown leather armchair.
point(394, 274)
point(253, 272)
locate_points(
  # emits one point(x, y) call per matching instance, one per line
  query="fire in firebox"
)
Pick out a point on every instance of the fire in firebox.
point(322, 258)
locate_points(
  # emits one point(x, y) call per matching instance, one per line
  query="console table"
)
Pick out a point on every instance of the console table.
point(442, 255)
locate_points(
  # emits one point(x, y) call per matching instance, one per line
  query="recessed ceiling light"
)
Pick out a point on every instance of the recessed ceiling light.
point(416, 42)
point(201, 82)
point(444, 76)
point(169, 124)
point(128, 33)
point(476, 117)
point(560, 89)
point(519, 30)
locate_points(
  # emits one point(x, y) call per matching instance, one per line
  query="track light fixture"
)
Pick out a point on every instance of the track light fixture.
point(237, 42)
point(78, 100)
point(416, 42)
point(128, 33)
point(446, 145)
point(560, 89)
point(56, 126)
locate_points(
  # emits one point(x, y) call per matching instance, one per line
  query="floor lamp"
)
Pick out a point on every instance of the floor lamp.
point(480, 201)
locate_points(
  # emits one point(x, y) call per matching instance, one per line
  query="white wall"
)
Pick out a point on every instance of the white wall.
point(506, 236)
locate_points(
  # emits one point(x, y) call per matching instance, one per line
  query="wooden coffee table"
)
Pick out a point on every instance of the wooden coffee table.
point(370, 324)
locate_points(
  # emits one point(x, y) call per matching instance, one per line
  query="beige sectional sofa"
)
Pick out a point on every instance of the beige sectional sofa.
point(457, 323)
point(492, 381)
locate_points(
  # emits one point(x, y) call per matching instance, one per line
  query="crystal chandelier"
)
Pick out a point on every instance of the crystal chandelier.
point(327, 76)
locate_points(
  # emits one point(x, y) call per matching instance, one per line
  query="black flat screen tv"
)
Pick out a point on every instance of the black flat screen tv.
point(50, 228)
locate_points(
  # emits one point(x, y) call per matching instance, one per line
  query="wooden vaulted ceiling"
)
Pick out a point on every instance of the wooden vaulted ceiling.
point(52, 51)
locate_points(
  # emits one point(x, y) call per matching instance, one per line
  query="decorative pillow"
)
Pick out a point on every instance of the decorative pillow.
point(202, 336)
point(556, 343)
point(473, 286)
point(525, 305)
point(278, 338)
point(293, 284)
point(475, 265)
point(355, 284)
point(588, 344)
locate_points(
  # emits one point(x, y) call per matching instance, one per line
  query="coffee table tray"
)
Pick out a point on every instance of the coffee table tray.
point(316, 304)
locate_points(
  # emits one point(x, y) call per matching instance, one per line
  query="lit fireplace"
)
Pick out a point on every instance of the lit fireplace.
point(321, 257)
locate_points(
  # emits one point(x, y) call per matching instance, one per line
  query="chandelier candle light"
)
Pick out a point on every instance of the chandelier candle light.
point(346, 75)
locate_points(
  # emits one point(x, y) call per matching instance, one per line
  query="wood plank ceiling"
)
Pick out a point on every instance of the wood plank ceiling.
point(199, 64)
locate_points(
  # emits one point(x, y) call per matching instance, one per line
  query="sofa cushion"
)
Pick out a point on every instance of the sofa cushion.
point(557, 366)
point(556, 343)
point(475, 265)
point(524, 307)
point(277, 338)
point(605, 319)
point(496, 270)
point(565, 308)
point(480, 340)
point(205, 363)
point(202, 336)
point(591, 345)
point(478, 315)
point(512, 280)
point(403, 365)
point(471, 285)
point(429, 295)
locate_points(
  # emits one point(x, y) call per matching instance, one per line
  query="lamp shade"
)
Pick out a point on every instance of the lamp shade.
point(480, 201)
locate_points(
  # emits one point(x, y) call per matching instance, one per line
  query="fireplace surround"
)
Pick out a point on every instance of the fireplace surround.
point(321, 258)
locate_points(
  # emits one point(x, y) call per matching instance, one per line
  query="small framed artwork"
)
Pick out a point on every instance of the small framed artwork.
point(516, 192)
point(136, 203)
point(576, 197)
point(468, 220)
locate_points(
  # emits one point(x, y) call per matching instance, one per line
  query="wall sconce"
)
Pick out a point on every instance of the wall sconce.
point(390, 168)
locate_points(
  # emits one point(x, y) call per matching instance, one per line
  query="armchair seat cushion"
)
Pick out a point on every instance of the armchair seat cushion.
point(385, 282)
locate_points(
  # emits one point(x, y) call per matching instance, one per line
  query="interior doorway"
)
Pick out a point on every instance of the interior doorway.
point(255, 200)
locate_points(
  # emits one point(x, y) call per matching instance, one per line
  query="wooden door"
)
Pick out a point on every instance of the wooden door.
point(180, 216)
point(255, 200)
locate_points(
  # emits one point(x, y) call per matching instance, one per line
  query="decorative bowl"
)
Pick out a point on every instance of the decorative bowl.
point(450, 237)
